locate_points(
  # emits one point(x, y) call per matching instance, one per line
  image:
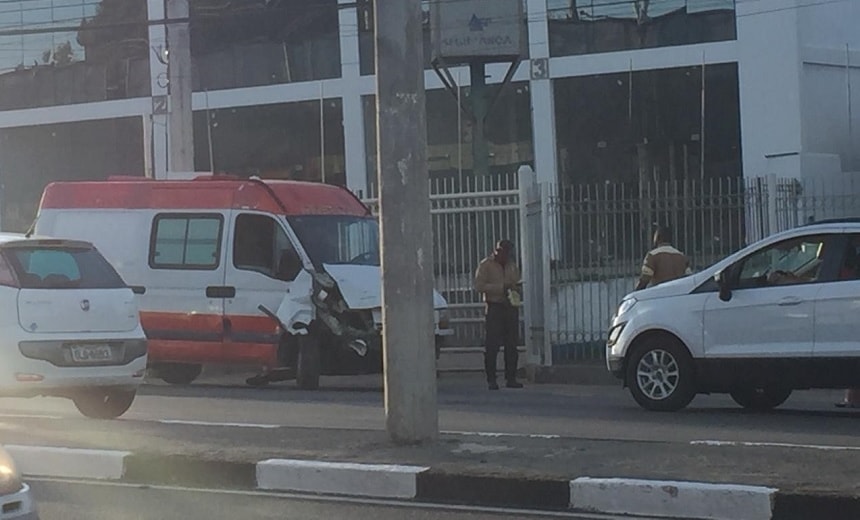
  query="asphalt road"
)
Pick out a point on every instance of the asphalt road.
point(552, 431)
point(94, 501)
point(585, 412)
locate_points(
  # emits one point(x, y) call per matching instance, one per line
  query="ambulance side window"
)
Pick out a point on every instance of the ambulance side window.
point(261, 245)
point(185, 241)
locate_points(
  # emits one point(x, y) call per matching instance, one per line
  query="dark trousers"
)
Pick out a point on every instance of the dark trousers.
point(502, 330)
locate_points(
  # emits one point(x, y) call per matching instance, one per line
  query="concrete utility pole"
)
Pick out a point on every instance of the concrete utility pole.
point(407, 248)
point(180, 120)
point(480, 149)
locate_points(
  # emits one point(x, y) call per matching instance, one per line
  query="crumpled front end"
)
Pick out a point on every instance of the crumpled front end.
point(354, 334)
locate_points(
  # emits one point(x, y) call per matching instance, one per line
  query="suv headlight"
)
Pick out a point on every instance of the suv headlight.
point(625, 306)
point(10, 479)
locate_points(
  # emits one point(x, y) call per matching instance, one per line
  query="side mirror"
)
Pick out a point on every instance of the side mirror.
point(723, 283)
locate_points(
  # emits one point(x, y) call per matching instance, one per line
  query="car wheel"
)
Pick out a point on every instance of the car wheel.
point(179, 373)
point(308, 362)
point(101, 403)
point(765, 398)
point(660, 374)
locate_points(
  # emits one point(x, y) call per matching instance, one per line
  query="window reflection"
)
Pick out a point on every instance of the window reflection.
point(272, 141)
point(449, 152)
point(616, 127)
point(592, 26)
point(33, 156)
point(367, 44)
point(243, 43)
point(74, 51)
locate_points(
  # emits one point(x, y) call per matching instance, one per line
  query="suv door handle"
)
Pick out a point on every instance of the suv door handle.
point(220, 291)
point(790, 300)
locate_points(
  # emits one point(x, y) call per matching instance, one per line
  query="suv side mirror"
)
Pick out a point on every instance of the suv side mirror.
point(722, 280)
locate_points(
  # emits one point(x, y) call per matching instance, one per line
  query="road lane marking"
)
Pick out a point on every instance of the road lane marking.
point(28, 416)
point(220, 424)
point(775, 445)
point(406, 504)
point(497, 435)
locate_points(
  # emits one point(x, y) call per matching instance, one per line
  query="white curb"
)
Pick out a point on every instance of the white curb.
point(43, 461)
point(367, 480)
point(667, 499)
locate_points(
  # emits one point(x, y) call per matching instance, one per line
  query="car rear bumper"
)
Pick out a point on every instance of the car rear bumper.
point(18, 506)
point(30, 378)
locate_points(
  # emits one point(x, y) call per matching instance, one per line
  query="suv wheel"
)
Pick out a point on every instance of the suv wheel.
point(660, 374)
point(765, 398)
point(100, 403)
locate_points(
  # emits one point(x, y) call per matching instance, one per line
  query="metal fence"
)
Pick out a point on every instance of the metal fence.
point(603, 232)
point(592, 239)
point(468, 216)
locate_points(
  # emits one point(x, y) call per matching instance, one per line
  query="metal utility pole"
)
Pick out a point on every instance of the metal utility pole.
point(180, 120)
point(407, 248)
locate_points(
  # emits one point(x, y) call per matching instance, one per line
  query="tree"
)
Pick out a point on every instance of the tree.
point(117, 31)
point(62, 55)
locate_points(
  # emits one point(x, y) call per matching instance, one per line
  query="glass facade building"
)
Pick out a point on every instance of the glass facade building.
point(610, 90)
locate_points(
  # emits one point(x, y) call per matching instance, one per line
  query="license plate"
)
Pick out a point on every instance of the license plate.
point(91, 353)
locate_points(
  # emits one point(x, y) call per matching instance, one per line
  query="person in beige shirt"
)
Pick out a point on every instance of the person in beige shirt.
point(496, 278)
point(663, 263)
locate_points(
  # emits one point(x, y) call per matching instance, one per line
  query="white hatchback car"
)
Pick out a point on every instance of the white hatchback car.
point(777, 316)
point(72, 328)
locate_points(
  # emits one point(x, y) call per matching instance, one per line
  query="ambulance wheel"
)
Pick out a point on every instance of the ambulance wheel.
point(179, 373)
point(308, 362)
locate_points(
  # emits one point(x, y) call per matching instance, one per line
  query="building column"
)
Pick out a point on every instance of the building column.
point(542, 98)
point(353, 113)
point(155, 123)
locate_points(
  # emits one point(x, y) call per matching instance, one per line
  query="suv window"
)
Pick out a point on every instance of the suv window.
point(186, 242)
point(62, 268)
point(261, 245)
point(793, 261)
point(849, 268)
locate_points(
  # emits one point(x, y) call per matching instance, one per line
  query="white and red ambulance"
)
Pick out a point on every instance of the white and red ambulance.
point(282, 276)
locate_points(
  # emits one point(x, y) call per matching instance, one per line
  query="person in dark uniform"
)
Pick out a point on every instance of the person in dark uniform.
point(498, 280)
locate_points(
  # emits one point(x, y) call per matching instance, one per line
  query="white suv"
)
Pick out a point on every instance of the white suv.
point(779, 315)
point(71, 327)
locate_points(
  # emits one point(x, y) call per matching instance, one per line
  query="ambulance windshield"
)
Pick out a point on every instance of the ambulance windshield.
point(336, 239)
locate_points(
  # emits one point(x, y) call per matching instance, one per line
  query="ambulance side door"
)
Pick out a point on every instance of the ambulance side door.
point(262, 265)
point(182, 298)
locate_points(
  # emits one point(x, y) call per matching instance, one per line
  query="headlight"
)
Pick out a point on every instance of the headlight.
point(625, 306)
point(10, 480)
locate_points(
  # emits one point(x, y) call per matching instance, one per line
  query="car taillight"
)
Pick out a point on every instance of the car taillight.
point(7, 276)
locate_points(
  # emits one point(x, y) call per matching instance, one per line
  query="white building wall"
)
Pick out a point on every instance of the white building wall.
point(830, 54)
point(769, 76)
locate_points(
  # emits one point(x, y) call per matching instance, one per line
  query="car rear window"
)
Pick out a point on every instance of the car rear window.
point(62, 268)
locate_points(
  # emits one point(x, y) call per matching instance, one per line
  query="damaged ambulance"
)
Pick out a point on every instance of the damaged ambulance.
point(281, 277)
